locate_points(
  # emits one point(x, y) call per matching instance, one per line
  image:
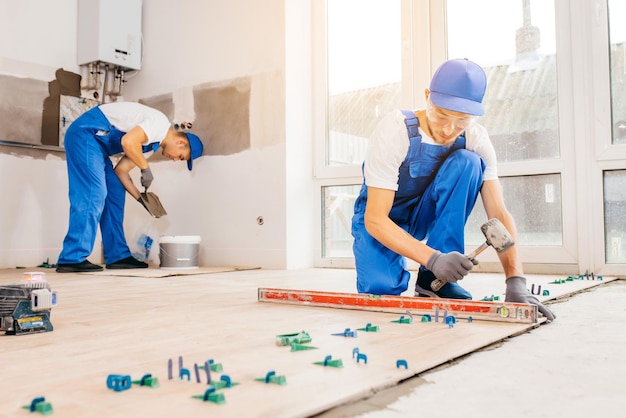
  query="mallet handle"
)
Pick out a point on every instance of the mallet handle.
point(437, 284)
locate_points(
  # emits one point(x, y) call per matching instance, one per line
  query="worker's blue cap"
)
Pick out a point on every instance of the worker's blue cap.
point(196, 148)
point(459, 85)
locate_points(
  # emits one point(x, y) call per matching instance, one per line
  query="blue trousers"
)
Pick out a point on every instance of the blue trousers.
point(438, 215)
point(96, 197)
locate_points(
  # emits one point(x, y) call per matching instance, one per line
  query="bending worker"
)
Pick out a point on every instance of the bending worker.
point(423, 172)
point(97, 190)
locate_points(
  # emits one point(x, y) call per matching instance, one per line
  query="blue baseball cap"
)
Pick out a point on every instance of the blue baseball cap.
point(459, 85)
point(196, 148)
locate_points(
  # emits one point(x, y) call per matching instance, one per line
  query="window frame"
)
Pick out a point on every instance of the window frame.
point(584, 113)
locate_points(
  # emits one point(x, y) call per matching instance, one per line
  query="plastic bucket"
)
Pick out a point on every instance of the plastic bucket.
point(179, 251)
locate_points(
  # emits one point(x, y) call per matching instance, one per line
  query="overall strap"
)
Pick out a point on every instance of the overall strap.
point(154, 146)
point(459, 143)
point(411, 122)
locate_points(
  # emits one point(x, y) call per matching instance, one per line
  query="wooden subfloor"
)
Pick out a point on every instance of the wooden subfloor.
point(115, 325)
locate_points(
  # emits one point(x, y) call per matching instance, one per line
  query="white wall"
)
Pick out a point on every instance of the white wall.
point(33, 208)
point(186, 43)
point(300, 201)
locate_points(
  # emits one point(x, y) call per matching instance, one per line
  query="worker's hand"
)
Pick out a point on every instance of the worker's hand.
point(146, 177)
point(517, 292)
point(450, 267)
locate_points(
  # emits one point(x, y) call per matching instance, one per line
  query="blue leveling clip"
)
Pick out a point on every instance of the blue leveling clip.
point(118, 382)
point(346, 333)
point(359, 356)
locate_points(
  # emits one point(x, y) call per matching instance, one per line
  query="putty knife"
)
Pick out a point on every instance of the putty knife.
point(152, 203)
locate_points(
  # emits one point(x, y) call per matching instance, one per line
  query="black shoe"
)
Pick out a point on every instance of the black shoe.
point(128, 263)
point(449, 290)
point(85, 266)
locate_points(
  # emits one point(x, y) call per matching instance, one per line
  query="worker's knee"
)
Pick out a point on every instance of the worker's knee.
point(381, 274)
point(463, 164)
point(464, 160)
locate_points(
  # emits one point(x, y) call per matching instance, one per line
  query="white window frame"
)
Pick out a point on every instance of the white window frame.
point(606, 155)
point(584, 113)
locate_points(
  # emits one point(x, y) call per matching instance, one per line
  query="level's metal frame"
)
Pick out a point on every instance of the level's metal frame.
point(481, 310)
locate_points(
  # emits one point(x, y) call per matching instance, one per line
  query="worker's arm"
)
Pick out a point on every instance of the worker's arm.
point(132, 143)
point(381, 227)
point(122, 169)
point(516, 290)
point(493, 201)
point(451, 266)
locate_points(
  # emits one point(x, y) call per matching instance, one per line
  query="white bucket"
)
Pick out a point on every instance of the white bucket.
point(179, 251)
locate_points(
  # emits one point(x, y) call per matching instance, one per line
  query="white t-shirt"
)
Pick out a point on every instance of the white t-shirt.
point(126, 115)
point(389, 145)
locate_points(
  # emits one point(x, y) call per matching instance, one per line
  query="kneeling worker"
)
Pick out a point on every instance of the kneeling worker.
point(423, 172)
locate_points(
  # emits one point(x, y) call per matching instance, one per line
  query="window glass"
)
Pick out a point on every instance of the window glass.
point(617, 40)
point(537, 215)
point(517, 51)
point(337, 220)
point(614, 219)
point(364, 71)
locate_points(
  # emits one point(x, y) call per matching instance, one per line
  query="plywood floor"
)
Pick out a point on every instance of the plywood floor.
point(107, 325)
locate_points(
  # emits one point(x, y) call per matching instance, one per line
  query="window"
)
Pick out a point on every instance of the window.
point(617, 40)
point(363, 83)
point(614, 219)
point(614, 181)
point(555, 112)
point(364, 64)
point(337, 220)
point(521, 103)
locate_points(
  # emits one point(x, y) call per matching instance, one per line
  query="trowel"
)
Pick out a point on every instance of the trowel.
point(152, 203)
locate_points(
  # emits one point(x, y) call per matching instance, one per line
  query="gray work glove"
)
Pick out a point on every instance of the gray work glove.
point(450, 267)
point(517, 292)
point(146, 177)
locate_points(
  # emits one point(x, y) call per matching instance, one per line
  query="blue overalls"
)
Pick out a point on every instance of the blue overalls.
point(437, 189)
point(95, 192)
